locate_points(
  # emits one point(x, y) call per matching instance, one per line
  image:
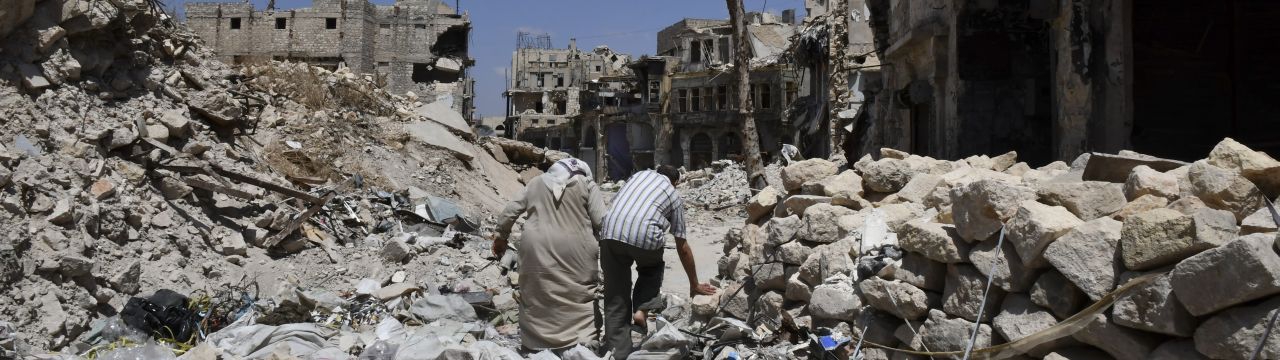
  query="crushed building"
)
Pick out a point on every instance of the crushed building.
point(418, 46)
point(552, 93)
point(1054, 79)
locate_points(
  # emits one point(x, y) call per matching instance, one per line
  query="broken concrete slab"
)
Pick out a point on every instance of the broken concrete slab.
point(1116, 168)
point(1250, 262)
point(435, 135)
point(441, 112)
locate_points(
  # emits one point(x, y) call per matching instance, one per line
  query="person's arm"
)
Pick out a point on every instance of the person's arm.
point(676, 218)
point(595, 206)
point(507, 220)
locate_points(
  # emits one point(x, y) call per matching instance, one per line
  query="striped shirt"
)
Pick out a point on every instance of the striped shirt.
point(646, 207)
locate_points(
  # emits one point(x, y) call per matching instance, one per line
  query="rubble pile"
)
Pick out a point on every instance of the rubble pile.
point(132, 165)
point(721, 186)
point(1124, 256)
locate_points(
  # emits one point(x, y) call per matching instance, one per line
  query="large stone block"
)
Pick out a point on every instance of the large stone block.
point(762, 204)
point(919, 187)
point(796, 175)
point(1177, 349)
point(1146, 181)
point(1052, 291)
point(1163, 236)
point(826, 261)
point(921, 272)
point(1119, 341)
point(1256, 166)
point(1235, 333)
point(980, 208)
point(835, 301)
point(1034, 227)
point(1242, 270)
point(821, 225)
point(887, 175)
point(782, 230)
point(1140, 205)
point(940, 333)
point(1019, 318)
point(1088, 257)
point(895, 297)
point(797, 204)
point(1153, 307)
point(847, 184)
point(962, 296)
point(795, 252)
point(1005, 268)
point(1224, 190)
point(1088, 200)
point(935, 241)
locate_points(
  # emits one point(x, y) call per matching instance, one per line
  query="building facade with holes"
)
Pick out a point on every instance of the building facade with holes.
point(412, 46)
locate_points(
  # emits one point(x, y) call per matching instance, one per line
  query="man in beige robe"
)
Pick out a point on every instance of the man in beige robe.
point(559, 256)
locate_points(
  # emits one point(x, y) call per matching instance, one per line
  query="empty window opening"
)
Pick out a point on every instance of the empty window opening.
point(551, 121)
point(655, 89)
point(419, 26)
point(559, 81)
point(707, 102)
point(562, 107)
point(708, 46)
point(425, 73)
point(696, 99)
point(722, 97)
point(453, 41)
point(724, 50)
point(682, 100)
point(331, 23)
point(537, 107)
point(282, 23)
point(695, 52)
point(235, 23)
point(597, 68)
point(384, 26)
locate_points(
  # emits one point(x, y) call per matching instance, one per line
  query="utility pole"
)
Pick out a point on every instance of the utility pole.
point(742, 68)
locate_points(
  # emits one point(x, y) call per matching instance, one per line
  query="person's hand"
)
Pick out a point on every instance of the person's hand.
point(499, 247)
point(702, 289)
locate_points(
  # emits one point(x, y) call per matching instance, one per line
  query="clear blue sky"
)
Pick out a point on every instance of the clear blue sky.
point(626, 26)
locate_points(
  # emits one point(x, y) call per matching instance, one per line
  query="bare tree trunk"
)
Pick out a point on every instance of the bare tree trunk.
point(742, 68)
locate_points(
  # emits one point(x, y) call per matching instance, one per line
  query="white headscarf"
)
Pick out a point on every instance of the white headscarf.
point(558, 176)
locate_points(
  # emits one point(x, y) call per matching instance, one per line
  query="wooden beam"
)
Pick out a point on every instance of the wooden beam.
point(295, 223)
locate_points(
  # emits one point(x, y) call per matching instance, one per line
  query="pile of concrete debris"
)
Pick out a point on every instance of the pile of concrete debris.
point(1123, 256)
point(134, 167)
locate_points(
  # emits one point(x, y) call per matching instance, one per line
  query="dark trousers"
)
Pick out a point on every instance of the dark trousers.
point(620, 299)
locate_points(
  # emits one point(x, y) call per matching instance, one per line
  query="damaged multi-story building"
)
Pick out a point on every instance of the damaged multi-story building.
point(1053, 79)
point(835, 46)
point(555, 95)
point(683, 105)
point(415, 46)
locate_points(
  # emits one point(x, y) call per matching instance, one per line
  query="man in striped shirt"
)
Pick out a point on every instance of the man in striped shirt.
point(634, 232)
